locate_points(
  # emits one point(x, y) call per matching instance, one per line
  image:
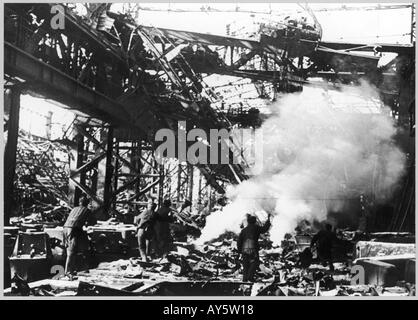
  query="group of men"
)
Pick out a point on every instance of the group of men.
point(153, 226)
point(248, 246)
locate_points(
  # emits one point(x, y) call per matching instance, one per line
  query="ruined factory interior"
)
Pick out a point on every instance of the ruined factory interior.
point(192, 149)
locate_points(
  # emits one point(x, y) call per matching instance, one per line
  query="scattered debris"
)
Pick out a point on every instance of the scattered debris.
point(214, 268)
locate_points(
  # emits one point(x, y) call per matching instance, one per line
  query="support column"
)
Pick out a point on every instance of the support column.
point(116, 176)
point(10, 153)
point(48, 127)
point(95, 175)
point(137, 162)
point(161, 185)
point(179, 182)
point(209, 195)
point(190, 189)
point(77, 153)
point(199, 189)
point(109, 172)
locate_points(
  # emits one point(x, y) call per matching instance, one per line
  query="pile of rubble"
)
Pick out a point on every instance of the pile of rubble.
point(44, 215)
point(214, 269)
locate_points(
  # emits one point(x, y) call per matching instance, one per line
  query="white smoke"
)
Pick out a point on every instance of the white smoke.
point(317, 151)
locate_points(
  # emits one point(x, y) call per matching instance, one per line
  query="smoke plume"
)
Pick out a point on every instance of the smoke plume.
point(319, 149)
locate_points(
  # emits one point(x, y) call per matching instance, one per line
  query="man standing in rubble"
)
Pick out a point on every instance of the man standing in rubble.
point(163, 218)
point(145, 225)
point(248, 246)
point(75, 238)
point(184, 211)
point(203, 213)
point(324, 241)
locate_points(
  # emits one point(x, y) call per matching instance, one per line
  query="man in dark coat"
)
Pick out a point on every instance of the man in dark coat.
point(75, 238)
point(248, 246)
point(145, 229)
point(324, 241)
point(163, 218)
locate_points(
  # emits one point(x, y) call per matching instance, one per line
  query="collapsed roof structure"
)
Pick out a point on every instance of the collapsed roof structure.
point(125, 81)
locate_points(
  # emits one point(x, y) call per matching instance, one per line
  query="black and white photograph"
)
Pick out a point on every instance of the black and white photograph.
point(251, 150)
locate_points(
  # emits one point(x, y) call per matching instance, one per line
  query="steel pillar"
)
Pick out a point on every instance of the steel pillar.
point(109, 172)
point(10, 152)
point(78, 155)
point(190, 186)
point(116, 175)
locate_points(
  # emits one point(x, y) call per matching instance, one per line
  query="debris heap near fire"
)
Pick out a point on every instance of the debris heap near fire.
point(286, 270)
